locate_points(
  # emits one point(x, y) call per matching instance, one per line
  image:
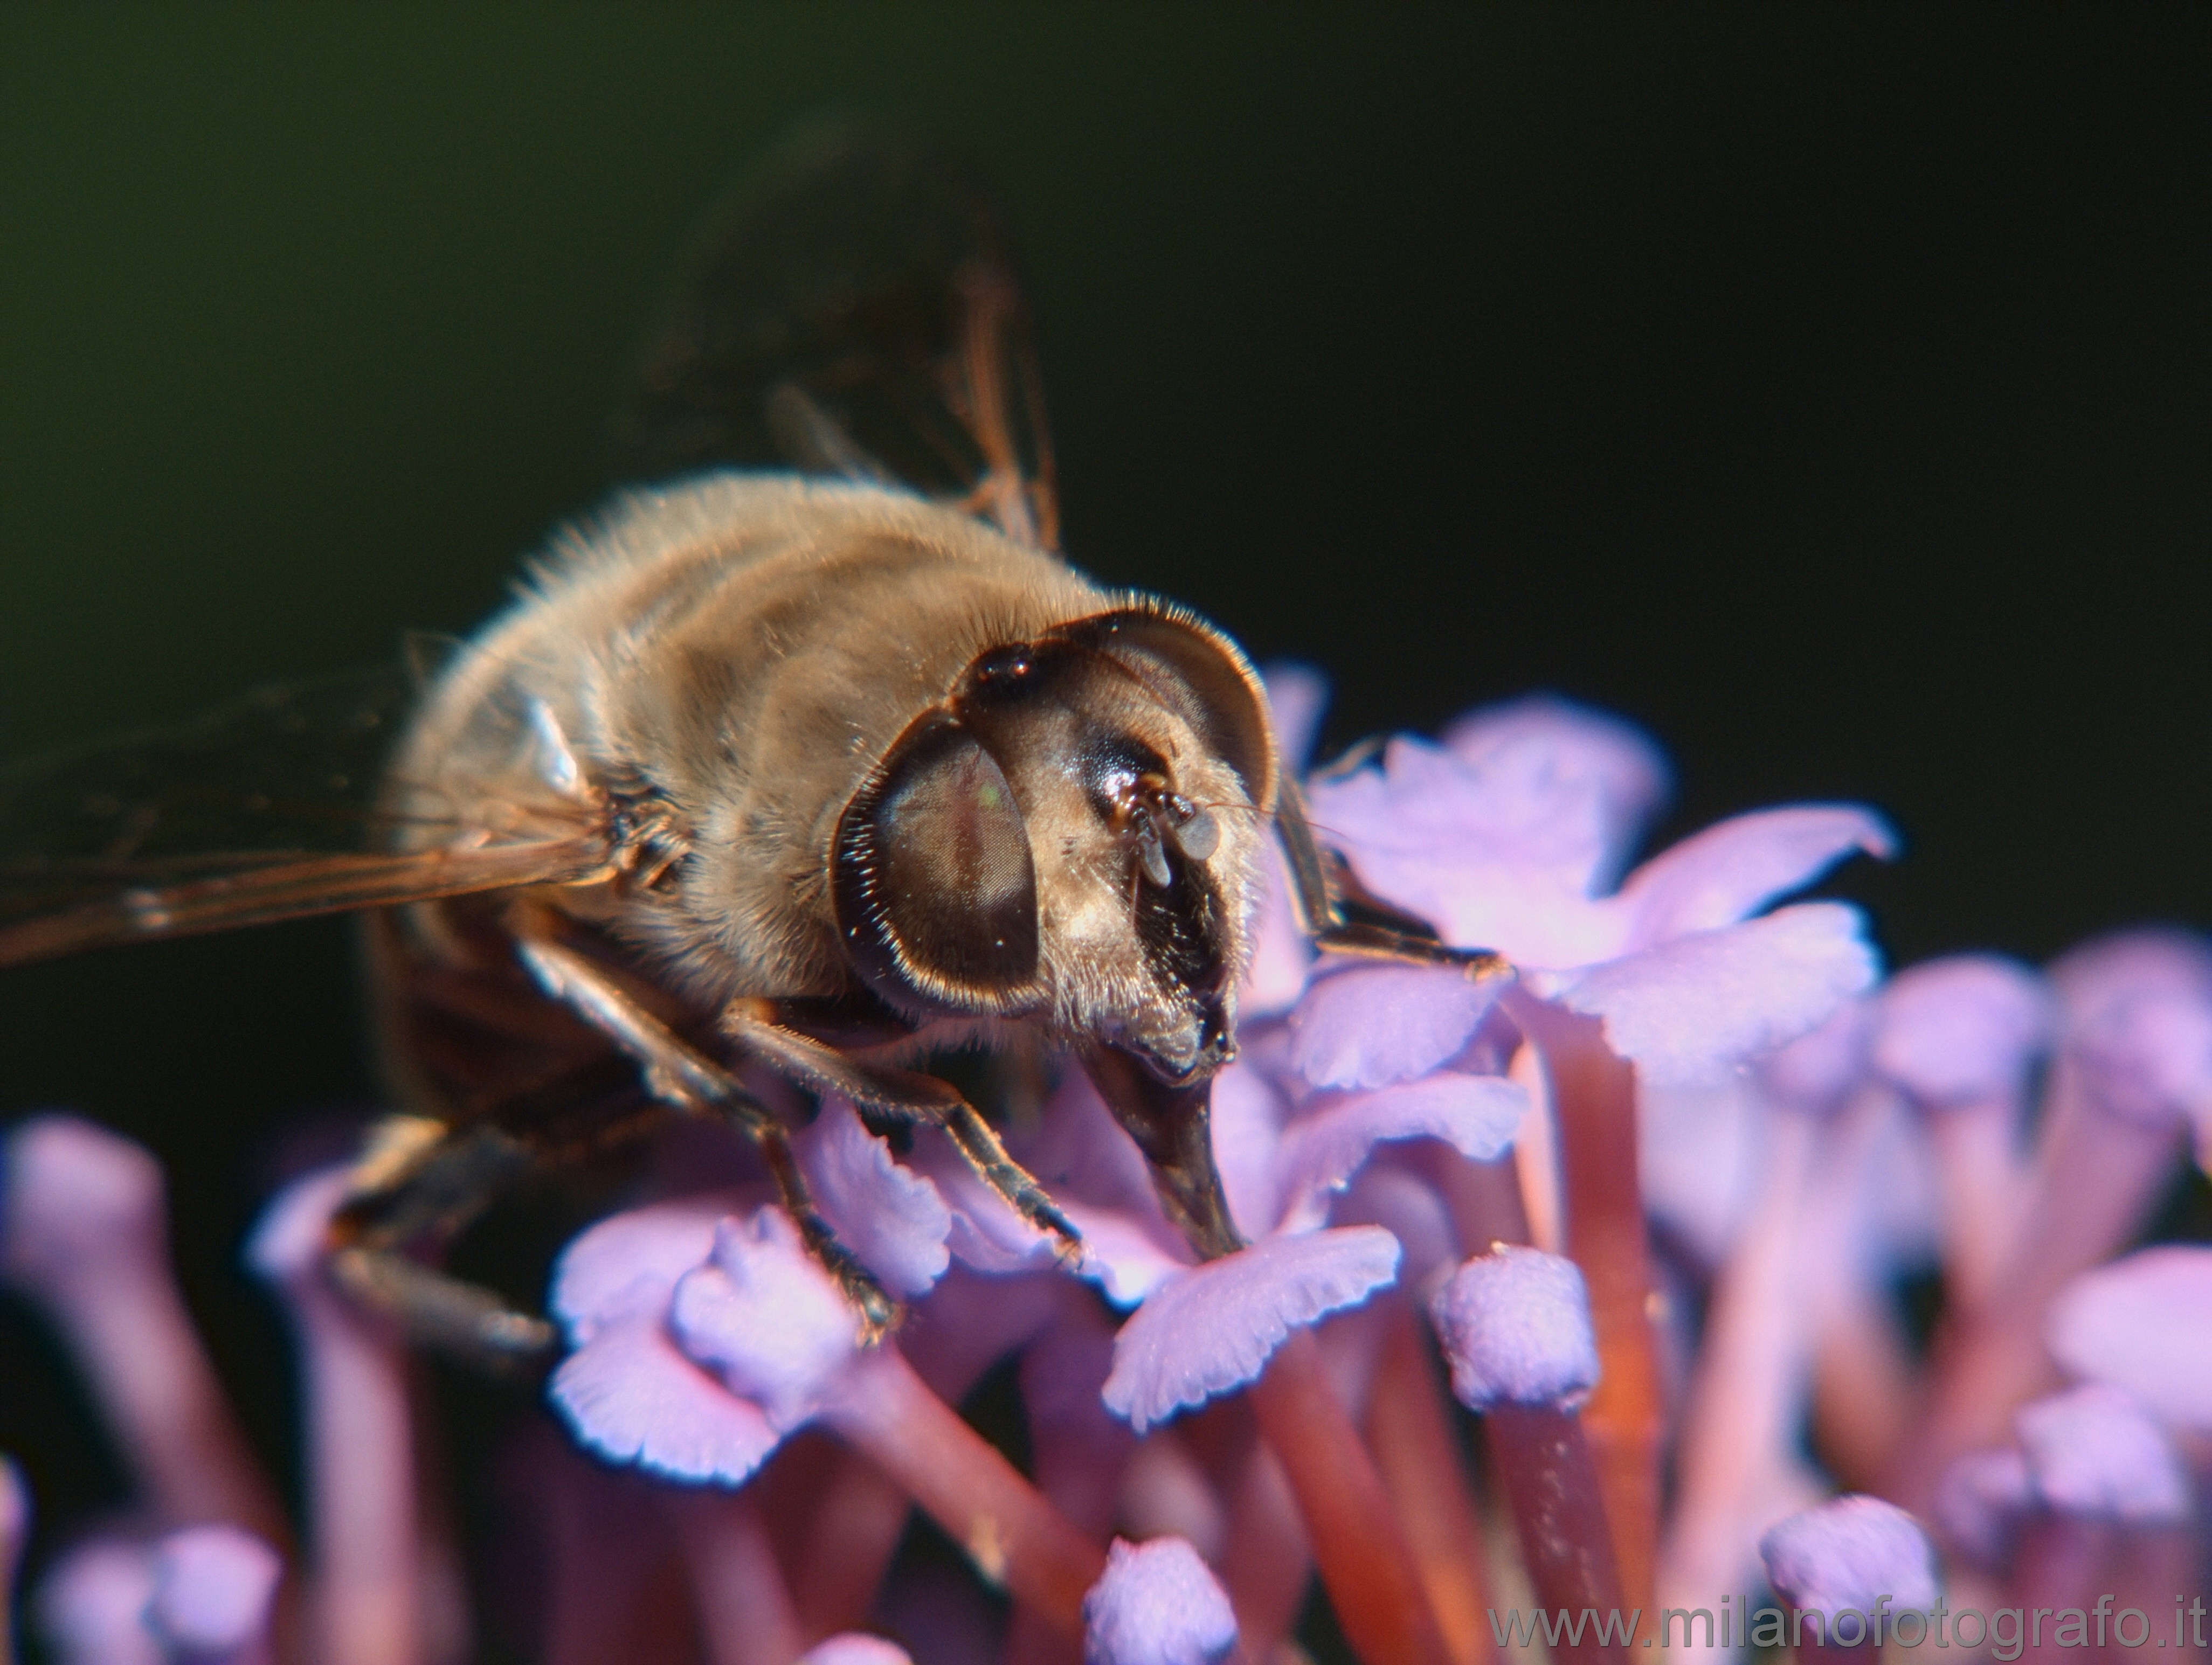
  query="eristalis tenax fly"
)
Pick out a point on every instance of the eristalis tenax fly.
point(817, 757)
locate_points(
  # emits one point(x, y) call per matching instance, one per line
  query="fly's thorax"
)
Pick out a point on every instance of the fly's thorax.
point(733, 657)
point(1074, 833)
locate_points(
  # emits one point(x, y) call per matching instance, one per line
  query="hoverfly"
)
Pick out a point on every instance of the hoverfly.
point(818, 757)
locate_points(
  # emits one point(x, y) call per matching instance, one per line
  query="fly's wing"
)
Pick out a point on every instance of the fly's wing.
point(855, 313)
point(263, 810)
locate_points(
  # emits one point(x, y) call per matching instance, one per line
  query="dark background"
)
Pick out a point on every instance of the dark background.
point(1826, 390)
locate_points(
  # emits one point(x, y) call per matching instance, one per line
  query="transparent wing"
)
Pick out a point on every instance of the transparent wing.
point(266, 808)
point(289, 770)
point(854, 312)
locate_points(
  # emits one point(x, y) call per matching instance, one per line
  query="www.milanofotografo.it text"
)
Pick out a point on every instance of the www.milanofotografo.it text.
point(2006, 1633)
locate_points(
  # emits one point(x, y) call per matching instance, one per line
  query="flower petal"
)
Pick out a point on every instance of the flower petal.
point(1689, 1011)
point(2143, 1323)
point(1406, 1205)
point(1815, 1072)
point(1324, 1147)
point(1702, 1154)
point(1493, 860)
point(630, 1394)
point(1214, 1328)
point(982, 1233)
point(1593, 781)
point(1734, 868)
point(1123, 1255)
point(1962, 1029)
point(1372, 1025)
point(2137, 1025)
point(1978, 1504)
point(632, 1260)
point(1282, 954)
point(891, 1219)
point(855, 1648)
point(764, 1317)
point(1296, 696)
point(2093, 1452)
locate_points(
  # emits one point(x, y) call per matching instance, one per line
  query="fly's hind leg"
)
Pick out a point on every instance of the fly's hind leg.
point(422, 1182)
point(1341, 917)
point(680, 1075)
point(907, 1094)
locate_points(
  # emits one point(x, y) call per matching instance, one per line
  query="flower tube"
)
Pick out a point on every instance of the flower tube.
point(367, 1561)
point(2134, 1065)
point(1515, 1326)
point(2099, 1469)
point(1958, 1036)
point(84, 1231)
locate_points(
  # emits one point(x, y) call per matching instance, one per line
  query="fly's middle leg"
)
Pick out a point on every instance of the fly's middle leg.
point(682, 1076)
point(907, 1095)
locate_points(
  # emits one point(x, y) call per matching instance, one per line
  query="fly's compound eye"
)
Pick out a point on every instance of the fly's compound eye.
point(933, 885)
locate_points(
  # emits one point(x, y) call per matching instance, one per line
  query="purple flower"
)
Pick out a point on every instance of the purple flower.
point(1157, 1604)
point(1509, 835)
point(1852, 1552)
point(628, 1389)
point(1516, 1327)
point(200, 1596)
point(735, 1461)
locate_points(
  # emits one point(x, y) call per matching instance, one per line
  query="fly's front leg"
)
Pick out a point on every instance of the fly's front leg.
point(681, 1075)
point(422, 1182)
point(1340, 918)
point(907, 1094)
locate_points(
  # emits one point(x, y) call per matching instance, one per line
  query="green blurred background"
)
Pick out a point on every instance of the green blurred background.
point(1826, 388)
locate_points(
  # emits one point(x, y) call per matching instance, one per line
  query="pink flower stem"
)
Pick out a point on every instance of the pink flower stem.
point(1863, 1387)
point(359, 1438)
point(854, 1515)
point(1409, 1429)
point(1013, 1536)
point(1266, 1559)
point(116, 1302)
point(1366, 1564)
point(1981, 1177)
point(614, 1579)
point(1484, 1197)
point(138, 1349)
point(1747, 1388)
point(744, 1607)
point(1544, 1464)
point(1594, 1098)
point(2149, 1568)
point(2062, 1562)
point(1081, 1449)
point(361, 1484)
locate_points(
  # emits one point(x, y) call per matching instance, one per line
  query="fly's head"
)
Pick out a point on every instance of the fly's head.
point(1076, 833)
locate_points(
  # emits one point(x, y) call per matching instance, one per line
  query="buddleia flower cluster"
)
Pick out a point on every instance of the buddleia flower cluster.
point(1572, 1293)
